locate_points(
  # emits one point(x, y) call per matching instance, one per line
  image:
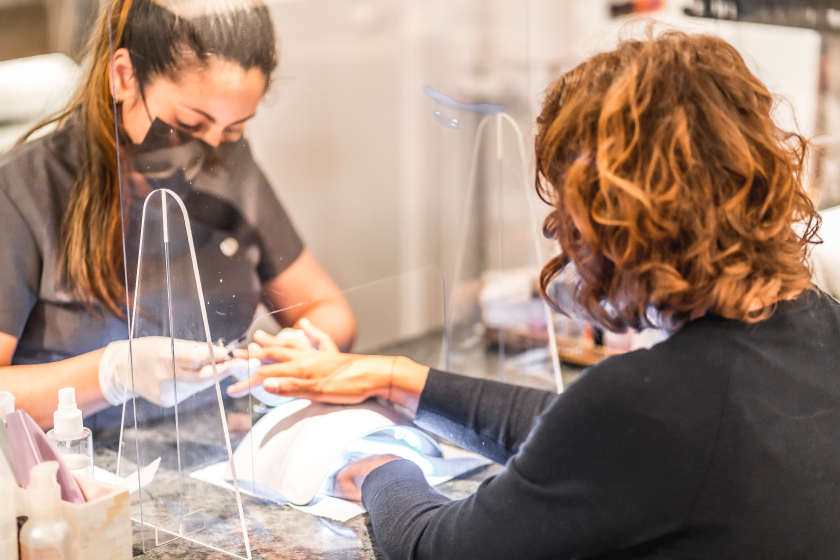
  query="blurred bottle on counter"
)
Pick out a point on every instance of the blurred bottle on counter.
point(46, 535)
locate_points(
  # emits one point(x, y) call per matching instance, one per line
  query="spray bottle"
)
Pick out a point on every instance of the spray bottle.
point(70, 438)
point(45, 535)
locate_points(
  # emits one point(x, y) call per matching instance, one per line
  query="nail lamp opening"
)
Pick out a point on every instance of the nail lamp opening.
point(296, 446)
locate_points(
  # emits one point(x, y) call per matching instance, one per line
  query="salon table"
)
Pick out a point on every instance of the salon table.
point(282, 532)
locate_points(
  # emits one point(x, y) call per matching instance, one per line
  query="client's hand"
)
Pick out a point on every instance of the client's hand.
point(294, 369)
point(317, 375)
point(153, 369)
point(349, 480)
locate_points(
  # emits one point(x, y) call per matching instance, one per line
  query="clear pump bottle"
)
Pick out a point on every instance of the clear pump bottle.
point(46, 534)
point(70, 438)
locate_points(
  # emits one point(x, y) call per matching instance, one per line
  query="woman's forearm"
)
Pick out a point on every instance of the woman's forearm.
point(306, 290)
point(334, 317)
point(36, 387)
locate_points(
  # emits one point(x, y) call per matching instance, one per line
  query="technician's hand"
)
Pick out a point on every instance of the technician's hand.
point(349, 480)
point(153, 370)
point(302, 339)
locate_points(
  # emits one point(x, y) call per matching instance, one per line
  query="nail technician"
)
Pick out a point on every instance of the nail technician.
point(187, 77)
point(675, 196)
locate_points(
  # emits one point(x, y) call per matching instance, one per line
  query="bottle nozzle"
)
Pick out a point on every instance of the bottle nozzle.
point(67, 420)
point(67, 398)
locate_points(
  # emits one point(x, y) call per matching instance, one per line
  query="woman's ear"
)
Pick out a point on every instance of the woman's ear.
point(124, 86)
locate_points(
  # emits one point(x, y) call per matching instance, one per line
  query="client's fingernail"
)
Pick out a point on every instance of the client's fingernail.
point(305, 321)
point(271, 384)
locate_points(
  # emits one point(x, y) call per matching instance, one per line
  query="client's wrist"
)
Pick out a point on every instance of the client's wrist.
point(399, 379)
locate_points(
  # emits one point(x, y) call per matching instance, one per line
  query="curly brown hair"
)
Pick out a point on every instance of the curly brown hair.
point(674, 193)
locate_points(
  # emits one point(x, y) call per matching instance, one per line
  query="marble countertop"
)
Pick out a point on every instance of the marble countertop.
point(281, 532)
point(277, 531)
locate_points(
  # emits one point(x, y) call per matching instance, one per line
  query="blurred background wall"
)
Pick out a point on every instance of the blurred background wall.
point(373, 171)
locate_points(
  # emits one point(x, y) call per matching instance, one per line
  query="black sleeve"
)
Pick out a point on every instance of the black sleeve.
point(21, 271)
point(617, 461)
point(485, 417)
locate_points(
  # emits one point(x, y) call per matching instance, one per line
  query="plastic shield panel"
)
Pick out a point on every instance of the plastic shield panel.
point(179, 425)
point(496, 320)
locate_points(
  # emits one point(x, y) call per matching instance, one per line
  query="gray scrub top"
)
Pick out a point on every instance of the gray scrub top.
point(230, 200)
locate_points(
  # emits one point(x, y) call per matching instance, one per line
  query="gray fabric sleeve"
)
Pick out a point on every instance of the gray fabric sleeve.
point(281, 245)
point(20, 271)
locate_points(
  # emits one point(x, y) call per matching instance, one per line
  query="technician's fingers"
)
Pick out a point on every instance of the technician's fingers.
point(223, 370)
point(264, 339)
point(323, 340)
point(269, 353)
point(191, 354)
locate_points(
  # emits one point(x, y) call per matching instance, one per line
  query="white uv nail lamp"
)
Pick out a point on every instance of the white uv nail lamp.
point(294, 448)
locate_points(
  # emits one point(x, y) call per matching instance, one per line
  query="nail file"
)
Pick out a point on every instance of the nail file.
point(230, 347)
point(31, 447)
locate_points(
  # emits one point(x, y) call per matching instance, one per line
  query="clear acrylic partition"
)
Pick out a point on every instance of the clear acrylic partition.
point(184, 429)
point(168, 445)
point(496, 319)
point(171, 445)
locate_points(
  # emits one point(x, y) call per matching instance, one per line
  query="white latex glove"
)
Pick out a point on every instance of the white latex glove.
point(153, 369)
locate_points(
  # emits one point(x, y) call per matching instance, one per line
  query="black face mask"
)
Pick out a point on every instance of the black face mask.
point(169, 158)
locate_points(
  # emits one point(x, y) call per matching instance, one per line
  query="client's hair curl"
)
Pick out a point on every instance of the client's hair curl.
point(674, 192)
